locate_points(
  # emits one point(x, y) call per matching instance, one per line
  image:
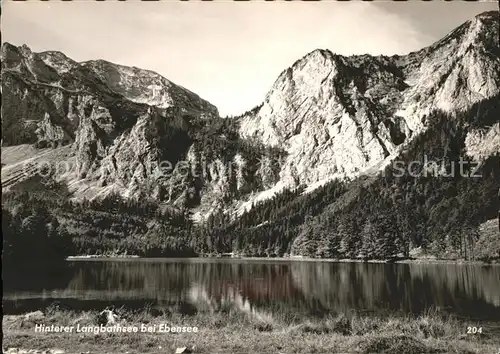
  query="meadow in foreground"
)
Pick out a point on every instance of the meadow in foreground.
point(235, 332)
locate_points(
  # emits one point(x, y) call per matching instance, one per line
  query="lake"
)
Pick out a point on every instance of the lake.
point(296, 287)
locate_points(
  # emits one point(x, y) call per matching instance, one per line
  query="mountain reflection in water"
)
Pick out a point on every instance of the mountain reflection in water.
point(311, 288)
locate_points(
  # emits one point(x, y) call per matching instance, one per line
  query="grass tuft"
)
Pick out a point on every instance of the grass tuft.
point(397, 344)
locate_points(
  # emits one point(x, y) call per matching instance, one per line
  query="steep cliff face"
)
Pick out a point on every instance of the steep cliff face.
point(339, 116)
point(483, 142)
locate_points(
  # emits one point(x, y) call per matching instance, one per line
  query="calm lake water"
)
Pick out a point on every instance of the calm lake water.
point(311, 288)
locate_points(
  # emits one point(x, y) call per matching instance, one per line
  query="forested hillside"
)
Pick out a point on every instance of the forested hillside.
point(438, 208)
point(109, 227)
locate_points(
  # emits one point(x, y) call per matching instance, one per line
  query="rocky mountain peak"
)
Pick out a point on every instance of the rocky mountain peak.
point(147, 87)
point(129, 130)
point(340, 116)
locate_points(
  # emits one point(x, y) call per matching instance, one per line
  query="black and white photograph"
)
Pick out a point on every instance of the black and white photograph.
point(250, 177)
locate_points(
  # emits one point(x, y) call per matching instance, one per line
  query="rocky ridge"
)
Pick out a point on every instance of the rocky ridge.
point(339, 116)
point(131, 130)
point(326, 116)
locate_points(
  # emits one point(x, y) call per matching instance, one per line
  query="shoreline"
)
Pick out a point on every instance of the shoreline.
point(423, 260)
point(97, 256)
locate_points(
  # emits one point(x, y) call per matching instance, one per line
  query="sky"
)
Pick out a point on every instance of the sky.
point(229, 53)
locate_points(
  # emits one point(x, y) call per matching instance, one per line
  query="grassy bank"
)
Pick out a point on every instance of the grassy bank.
point(236, 332)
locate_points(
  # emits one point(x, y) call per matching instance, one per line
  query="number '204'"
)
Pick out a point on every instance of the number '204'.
point(474, 330)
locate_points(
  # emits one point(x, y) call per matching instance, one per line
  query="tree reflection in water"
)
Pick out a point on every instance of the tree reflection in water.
point(263, 287)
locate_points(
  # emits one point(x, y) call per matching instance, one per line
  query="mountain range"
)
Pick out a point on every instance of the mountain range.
point(329, 127)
